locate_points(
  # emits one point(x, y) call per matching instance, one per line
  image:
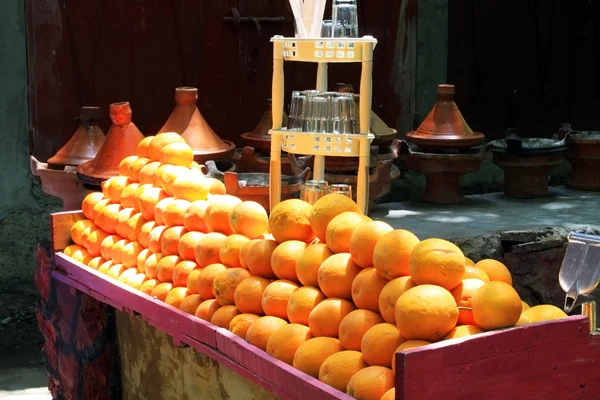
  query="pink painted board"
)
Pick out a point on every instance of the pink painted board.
point(296, 384)
point(549, 360)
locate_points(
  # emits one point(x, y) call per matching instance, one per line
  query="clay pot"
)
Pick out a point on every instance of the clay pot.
point(259, 138)
point(445, 128)
point(583, 152)
point(121, 141)
point(191, 125)
point(248, 159)
point(84, 144)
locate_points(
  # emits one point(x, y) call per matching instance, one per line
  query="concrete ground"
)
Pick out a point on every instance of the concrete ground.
point(24, 377)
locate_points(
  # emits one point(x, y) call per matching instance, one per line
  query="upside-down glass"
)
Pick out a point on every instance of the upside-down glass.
point(343, 113)
point(345, 13)
point(296, 117)
point(329, 28)
point(317, 112)
point(346, 190)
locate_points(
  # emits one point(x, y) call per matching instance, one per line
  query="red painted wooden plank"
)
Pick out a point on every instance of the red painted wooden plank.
point(550, 360)
point(294, 383)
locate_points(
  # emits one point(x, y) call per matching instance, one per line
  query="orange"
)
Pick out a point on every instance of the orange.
point(165, 267)
point(193, 218)
point(496, 305)
point(135, 167)
point(223, 316)
point(302, 302)
point(354, 326)
point(94, 241)
point(285, 341)
point(115, 271)
point(170, 175)
point(138, 193)
point(364, 239)
point(463, 331)
point(148, 286)
point(426, 312)
point(190, 303)
point(366, 288)
point(141, 260)
point(155, 238)
point(371, 383)
point(107, 218)
point(107, 244)
point(144, 235)
point(525, 306)
point(409, 344)
point(114, 187)
point(216, 215)
point(162, 140)
point(463, 294)
point(128, 195)
point(118, 251)
point(307, 266)
point(276, 296)
point(259, 258)
point(207, 309)
point(437, 262)
point(158, 173)
point(226, 282)
point(340, 230)
point(312, 353)
point(143, 147)
point(123, 217)
point(160, 208)
point(390, 294)
point(389, 395)
point(326, 317)
point(138, 280)
point(337, 369)
point(216, 186)
point(88, 203)
point(161, 291)
point(174, 211)
point(544, 312)
point(391, 255)
point(146, 175)
point(475, 273)
point(96, 262)
point(182, 271)
point(69, 250)
point(151, 265)
point(206, 279)
point(131, 251)
point(248, 295)
point(134, 227)
point(187, 245)
point(148, 201)
point(244, 252)
point(289, 220)
point(192, 280)
point(240, 324)
point(284, 258)
point(169, 241)
point(261, 330)
point(103, 269)
point(336, 275)
point(176, 154)
point(208, 247)
point(229, 253)
point(326, 209)
point(249, 218)
point(469, 262)
point(78, 228)
point(191, 186)
point(379, 344)
point(495, 270)
point(127, 275)
point(98, 207)
point(82, 256)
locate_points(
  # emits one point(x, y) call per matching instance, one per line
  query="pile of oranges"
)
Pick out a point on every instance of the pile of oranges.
point(323, 288)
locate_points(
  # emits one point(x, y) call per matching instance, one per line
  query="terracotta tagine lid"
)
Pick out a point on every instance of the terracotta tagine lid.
point(121, 141)
point(84, 144)
point(259, 137)
point(191, 125)
point(445, 128)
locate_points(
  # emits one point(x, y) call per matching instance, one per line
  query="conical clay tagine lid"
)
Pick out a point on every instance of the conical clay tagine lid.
point(84, 144)
point(187, 121)
point(121, 141)
point(445, 128)
point(259, 137)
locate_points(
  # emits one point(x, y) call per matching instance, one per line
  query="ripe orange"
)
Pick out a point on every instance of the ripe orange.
point(354, 326)
point(143, 147)
point(155, 238)
point(148, 201)
point(128, 195)
point(302, 302)
point(307, 266)
point(371, 383)
point(207, 309)
point(98, 207)
point(144, 235)
point(366, 288)
point(138, 280)
point(88, 203)
point(463, 294)
point(118, 251)
point(169, 176)
point(138, 194)
point(289, 220)
point(174, 212)
point(390, 394)
point(216, 215)
point(244, 252)
point(107, 244)
point(176, 154)
point(206, 279)
point(69, 250)
point(340, 230)
point(240, 324)
point(426, 312)
point(146, 175)
point(469, 262)
point(223, 316)
point(190, 186)
point(437, 262)
point(248, 295)
point(123, 217)
point(475, 273)
point(161, 290)
point(336, 275)
point(312, 353)
point(96, 262)
point(114, 187)
point(364, 239)
point(159, 209)
point(151, 265)
point(103, 269)
point(135, 167)
point(249, 218)
point(326, 317)
point(495, 270)
point(525, 306)
point(134, 227)
point(391, 255)
point(226, 282)
point(190, 303)
point(285, 341)
point(165, 267)
point(390, 294)
point(259, 258)
point(93, 242)
point(285, 257)
point(115, 271)
point(276, 296)
point(262, 329)
point(141, 260)
point(162, 140)
point(337, 369)
point(463, 331)
point(131, 251)
point(82, 256)
point(496, 305)
point(229, 253)
point(176, 296)
point(192, 280)
point(148, 286)
point(216, 186)
point(379, 343)
point(107, 218)
point(169, 241)
point(187, 245)
point(182, 271)
point(193, 218)
point(326, 209)
point(208, 247)
point(158, 173)
point(544, 312)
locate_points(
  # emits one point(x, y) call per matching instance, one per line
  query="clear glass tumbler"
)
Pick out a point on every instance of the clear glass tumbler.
point(343, 113)
point(311, 192)
point(345, 12)
point(297, 111)
point(317, 115)
point(346, 190)
point(329, 28)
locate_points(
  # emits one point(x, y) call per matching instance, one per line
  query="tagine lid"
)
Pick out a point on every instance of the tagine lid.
point(259, 137)
point(121, 141)
point(445, 126)
point(85, 142)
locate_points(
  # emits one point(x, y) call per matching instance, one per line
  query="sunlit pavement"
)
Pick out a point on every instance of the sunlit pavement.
point(24, 384)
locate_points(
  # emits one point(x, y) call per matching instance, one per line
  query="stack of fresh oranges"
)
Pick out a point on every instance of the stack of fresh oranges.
point(323, 288)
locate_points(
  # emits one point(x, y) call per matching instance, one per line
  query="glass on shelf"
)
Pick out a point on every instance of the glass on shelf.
point(345, 13)
point(322, 112)
point(346, 190)
point(312, 191)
